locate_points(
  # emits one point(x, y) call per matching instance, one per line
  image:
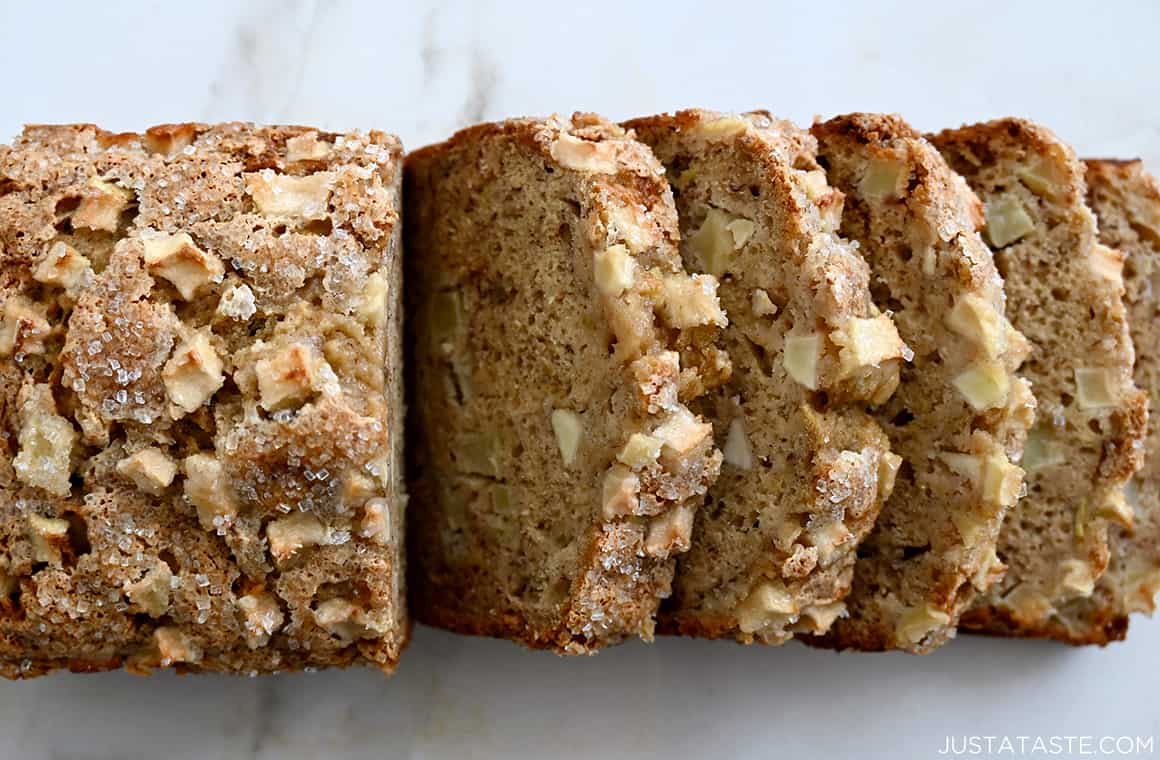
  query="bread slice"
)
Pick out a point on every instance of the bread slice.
point(1126, 201)
point(960, 416)
point(1064, 292)
point(555, 337)
point(201, 400)
point(805, 470)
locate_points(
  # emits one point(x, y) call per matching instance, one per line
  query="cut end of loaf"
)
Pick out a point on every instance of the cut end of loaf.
point(1065, 292)
point(961, 413)
point(575, 341)
point(805, 472)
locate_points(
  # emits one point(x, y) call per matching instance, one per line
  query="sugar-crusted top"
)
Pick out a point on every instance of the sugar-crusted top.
point(196, 322)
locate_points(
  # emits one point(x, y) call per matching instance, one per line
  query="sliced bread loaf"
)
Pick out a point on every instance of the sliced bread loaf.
point(1126, 201)
point(555, 336)
point(1064, 292)
point(960, 415)
point(805, 471)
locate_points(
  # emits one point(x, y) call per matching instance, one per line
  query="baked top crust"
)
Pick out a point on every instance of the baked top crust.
point(200, 399)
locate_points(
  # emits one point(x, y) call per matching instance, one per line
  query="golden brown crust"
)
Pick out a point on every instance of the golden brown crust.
point(1104, 628)
point(201, 397)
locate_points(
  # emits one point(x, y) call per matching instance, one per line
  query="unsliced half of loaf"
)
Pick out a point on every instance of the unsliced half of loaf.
point(201, 401)
point(554, 338)
point(1126, 201)
point(960, 415)
point(806, 471)
point(1065, 293)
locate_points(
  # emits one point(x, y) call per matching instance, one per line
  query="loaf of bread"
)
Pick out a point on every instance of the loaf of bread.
point(1065, 293)
point(704, 374)
point(960, 415)
point(200, 400)
point(806, 471)
point(1126, 202)
point(555, 338)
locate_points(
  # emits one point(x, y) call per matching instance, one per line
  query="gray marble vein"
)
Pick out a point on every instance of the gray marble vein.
point(429, 52)
point(262, 73)
point(484, 80)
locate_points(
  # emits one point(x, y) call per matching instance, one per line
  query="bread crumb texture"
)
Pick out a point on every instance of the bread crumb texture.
point(557, 339)
point(1126, 201)
point(1065, 293)
point(806, 471)
point(200, 400)
point(961, 414)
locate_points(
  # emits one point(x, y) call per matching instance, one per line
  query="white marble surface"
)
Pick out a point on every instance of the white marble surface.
point(423, 69)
